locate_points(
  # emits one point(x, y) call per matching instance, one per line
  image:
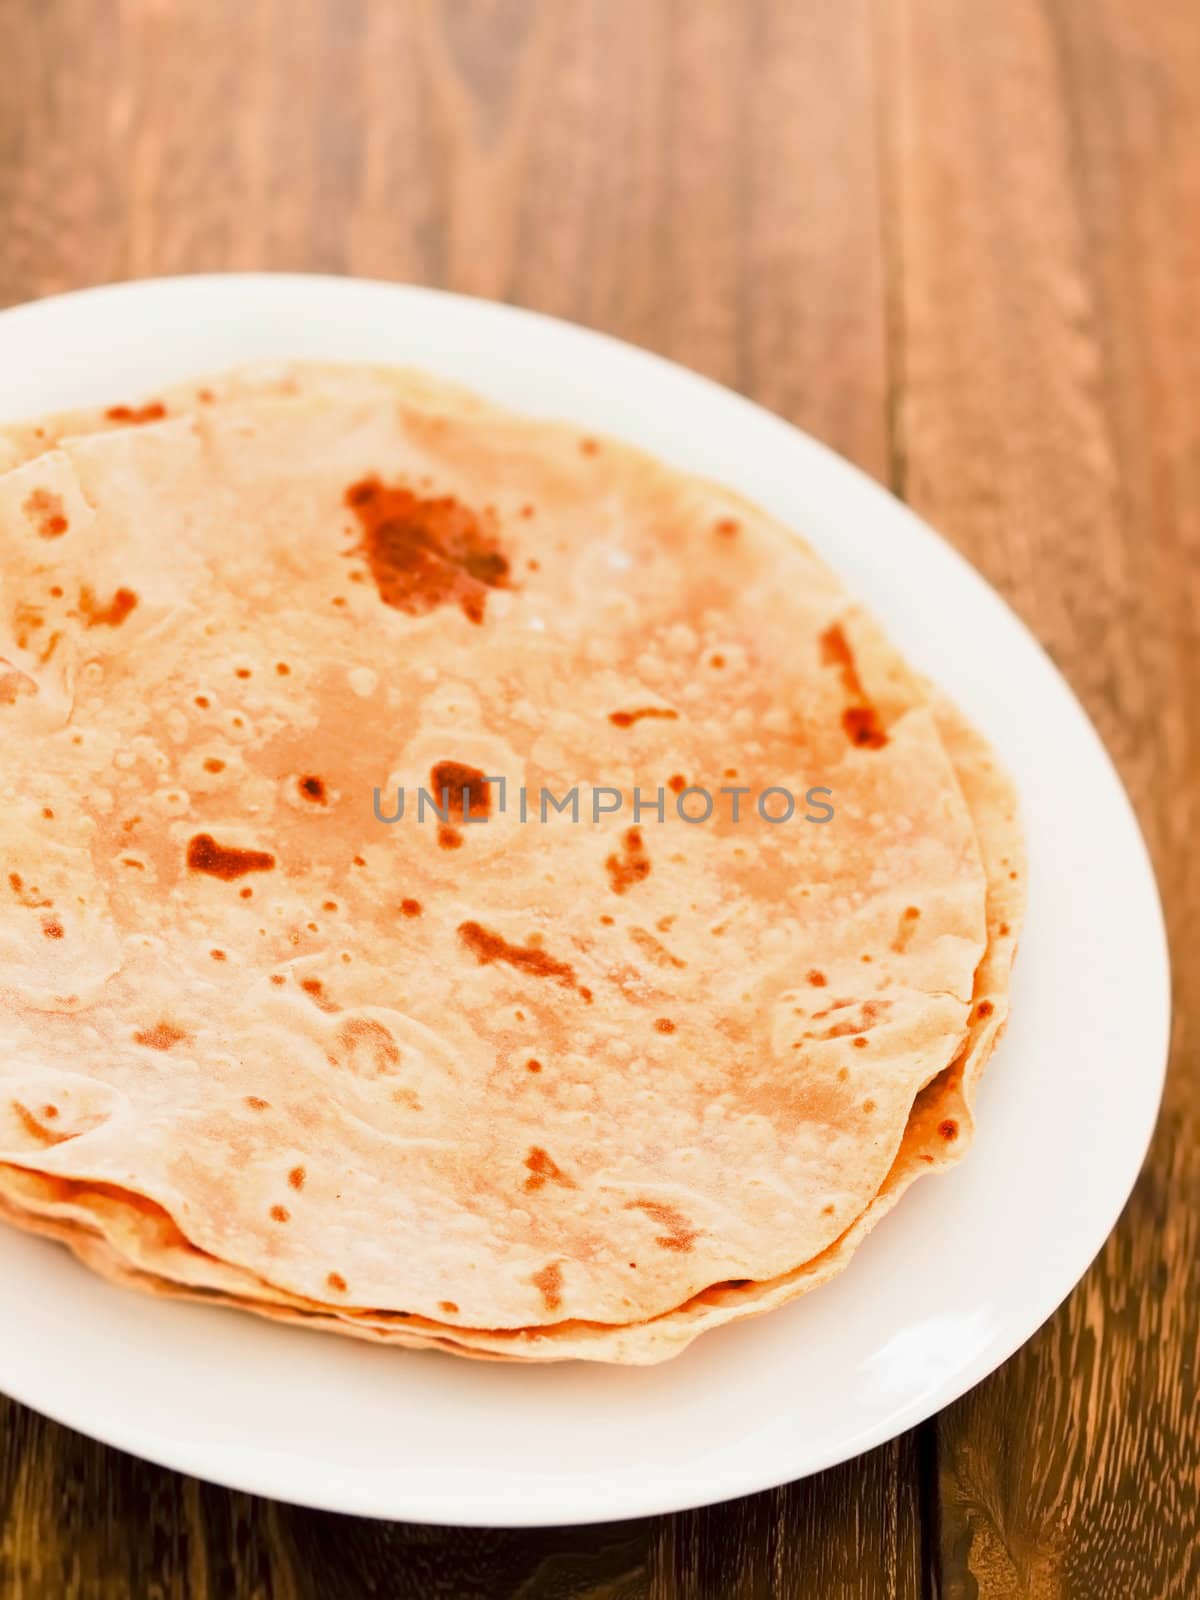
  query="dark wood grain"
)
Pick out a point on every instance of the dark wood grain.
point(959, 243)
point(1044, 165)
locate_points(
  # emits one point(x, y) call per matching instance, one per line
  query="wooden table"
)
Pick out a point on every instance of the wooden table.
point(961, 243)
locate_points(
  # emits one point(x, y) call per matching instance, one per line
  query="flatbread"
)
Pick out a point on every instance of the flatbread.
point(796, 1135)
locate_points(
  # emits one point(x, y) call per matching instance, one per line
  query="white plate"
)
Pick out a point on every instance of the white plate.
point(961, 1274)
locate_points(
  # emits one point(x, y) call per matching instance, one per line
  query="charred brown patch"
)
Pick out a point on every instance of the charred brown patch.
point(315, 990)
point(631, 866)
point(860, 720)
point(543, 1170)
point(680, 1234)
point(369, 1046)
point(36, 1129)
point(488, 947)
point(313, 789)
point(227, 862)
point(626, 719)
point(162, 1036)
point(863, 727)
point(548, 1282)
point(111, 615)
point(905, 929)
point(426, 552)
point(153, 411)
point(655, 950)
point(460, 790)
point(47, 511)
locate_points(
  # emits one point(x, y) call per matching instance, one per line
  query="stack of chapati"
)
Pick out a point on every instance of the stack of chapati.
point(532, 1089)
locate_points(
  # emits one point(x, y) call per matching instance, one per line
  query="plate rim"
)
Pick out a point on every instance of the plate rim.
point(185, 1455)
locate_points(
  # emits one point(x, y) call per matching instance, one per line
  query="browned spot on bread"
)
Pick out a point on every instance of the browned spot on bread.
point(948, 1129)
point(984, 1009)
point(860, 719)
point(589, 446)
point(460, 790)
point(424, 553)
point(313, 788)
point(296, 1177)
point(48, 512)
point(369, 1046)
point(111, 615)
point(449, 838)
point(655, 949)
point(533, 1065)
point(411, 908)
point(626, 719)
point(28, 896)
point(217, 955)
point(336, 1282)
point(315, 989)
point(817, 979)
point(905, 928)
point(153, 411)
point(280, 1214)
point(631, 866)
point(677, 784)
point(680, 1234)
point(449, 1307)
point(548, 1282)
point(53, 929)
point(863, 727)
point(257, 1104)
point(664, 1025)
point(35, 1129)
point(205, 855)
point(488, 947)
point(543, 1170)
point(860, 1042)
point(161, 1036)
point(214, 764)
point(727, 527)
